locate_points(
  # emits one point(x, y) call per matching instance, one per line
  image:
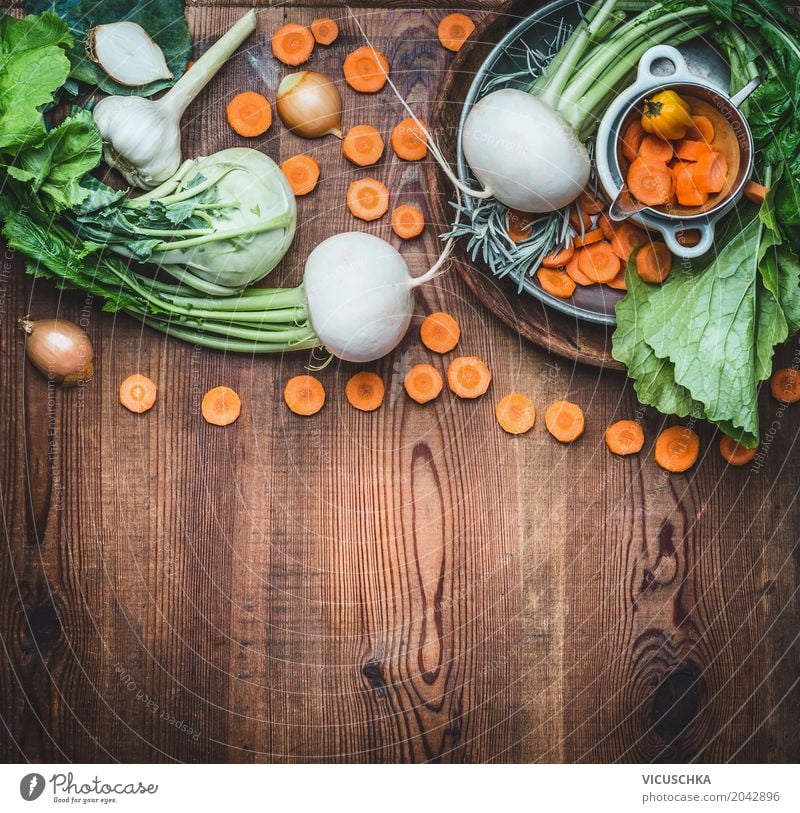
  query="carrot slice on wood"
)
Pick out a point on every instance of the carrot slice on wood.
point(249, 114)
point(325, 30)
point(468, 377)
point(365, 391)
point(631, 139)
point(653, 262)
point(689, 150)
point(785, 385)
point(735, 454)
point(564, 421)
point(626, 239)
point(710, 172)
point(624, 437)
point(221, 406)
point(363, 72)
point(292, 44)
point(556, 282)
point(440, 332)
point(618, 283)
point(590, 203)
point(677, 448)
point(650, 182)
point(755, 192)
point(701, 130)
point(304, 395)
point(454, 30)
point(423, 383)
point(589, 237)
point(686, 188)
point(408, 140)
point(362, 145)
point(519, 225)
point(408, 221)
point(573, 270)
point(302, 172)
point(655, 149)
point(138, 393)
point(367, 199)
point(515, 413)
point(599, 262)
point(607, 225)
point(559, 258)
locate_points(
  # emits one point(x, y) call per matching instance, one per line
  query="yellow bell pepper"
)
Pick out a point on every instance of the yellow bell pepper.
point(666, 115)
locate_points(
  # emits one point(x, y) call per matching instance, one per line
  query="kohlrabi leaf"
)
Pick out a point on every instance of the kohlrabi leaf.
point(163, 20)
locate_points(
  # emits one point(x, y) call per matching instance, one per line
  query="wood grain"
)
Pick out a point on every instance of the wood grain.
point(405, 585)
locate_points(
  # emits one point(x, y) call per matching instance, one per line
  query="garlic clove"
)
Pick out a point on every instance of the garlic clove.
point(127, 54)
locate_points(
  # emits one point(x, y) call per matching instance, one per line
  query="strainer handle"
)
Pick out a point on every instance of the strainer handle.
point(670, 233)
point(680, 74)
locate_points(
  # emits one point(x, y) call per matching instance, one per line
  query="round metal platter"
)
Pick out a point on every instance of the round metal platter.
point(595, 303)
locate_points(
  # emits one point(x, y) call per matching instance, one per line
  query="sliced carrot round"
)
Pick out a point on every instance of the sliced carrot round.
point(302, 172)
point(519, 225)
point(440, 332)
point(138, 393)
point(408, 221)
point(626, 239)
point(560, 258)
point(590, 203)
point(653, 262)
point(599, 262)
point(589, 237)
point(618, 283)
point(631, 139)
point(515, 413)
point(564, 421)
point(292, 44)
point(454, 30)
point(365, 391)
point(325, 30)
point(677, 448)
point(701, 130)
point(785, 385)
point(423, 383)
point(468, 377)
point(362, 145)
point(573, 270)
point(409, 141)
point(249, 114)
point(555, 282)
point(304, 395)
point(363, 72)
point(221, 406)
point(624, 437)
point(655, 148)
point(367, 199)
point(650, 182)
point(735, 454)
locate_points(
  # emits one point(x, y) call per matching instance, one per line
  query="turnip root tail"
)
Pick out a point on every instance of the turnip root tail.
point(435, 151)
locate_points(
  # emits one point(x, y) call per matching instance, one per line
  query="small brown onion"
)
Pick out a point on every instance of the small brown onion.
point(309, 104)
point(59, 350)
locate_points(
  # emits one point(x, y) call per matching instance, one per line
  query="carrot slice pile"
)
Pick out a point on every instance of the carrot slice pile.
point(408, 140)
point(785, 385)
point(624, 437)
point(440, 332)
point(367, 199)
point(408, 221)
point(138, 393)
point(292, 44)
point(365, 391)
point(519, 225)
point(555, 282)
point(362, 145)
point(735, 454)
point(677, 448)
point(249, 114)
point(302, 172)
point(221, 406)
point(515, 413)
point(325, 30)
point(653, 262)
point(686, 189)
point(710, 172)
point(599, 262)
point(468, 377)
point(363, 73)
point(454, 30)
point(564, 421)
point(423, 383)
point(304, 395)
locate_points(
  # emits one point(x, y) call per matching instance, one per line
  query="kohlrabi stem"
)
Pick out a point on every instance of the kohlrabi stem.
point(253, 299)
point(214, 236)
point(198, 76)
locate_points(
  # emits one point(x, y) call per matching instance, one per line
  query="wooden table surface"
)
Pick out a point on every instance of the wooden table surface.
point(406, 585)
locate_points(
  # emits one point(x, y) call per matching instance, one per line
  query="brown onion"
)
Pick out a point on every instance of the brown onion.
point(59, 350)
point(309, 104)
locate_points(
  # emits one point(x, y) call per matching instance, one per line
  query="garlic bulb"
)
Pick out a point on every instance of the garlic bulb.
point(127, 54)
point(141, 137)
